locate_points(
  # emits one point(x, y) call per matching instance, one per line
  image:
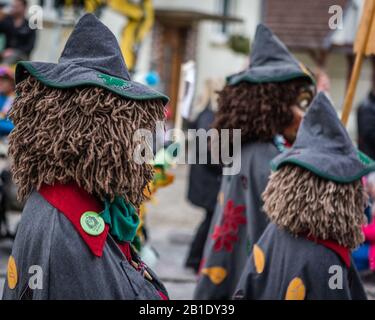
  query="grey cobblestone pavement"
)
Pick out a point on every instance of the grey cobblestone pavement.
point(171, 221)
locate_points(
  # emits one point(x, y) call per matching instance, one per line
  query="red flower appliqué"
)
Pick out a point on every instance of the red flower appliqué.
point(225, 235)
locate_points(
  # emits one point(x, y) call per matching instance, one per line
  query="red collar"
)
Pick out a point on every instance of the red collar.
point(73, 201)
point(341, 251)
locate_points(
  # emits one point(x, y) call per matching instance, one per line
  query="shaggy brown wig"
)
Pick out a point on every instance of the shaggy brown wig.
point(260, 110)
point(302, 203)
point(84, 135)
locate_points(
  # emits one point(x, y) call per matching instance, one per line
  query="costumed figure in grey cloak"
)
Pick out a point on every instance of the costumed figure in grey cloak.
point(265, 101)
point(315, 201)
point(72, 153)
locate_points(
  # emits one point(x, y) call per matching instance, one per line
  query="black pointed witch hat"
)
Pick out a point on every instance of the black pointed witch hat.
point(270, 61)
point(91, 57)
point(323, 146)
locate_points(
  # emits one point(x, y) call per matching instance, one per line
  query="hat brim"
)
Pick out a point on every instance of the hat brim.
point(70, 75)
point(265, 74)
point(340, 169)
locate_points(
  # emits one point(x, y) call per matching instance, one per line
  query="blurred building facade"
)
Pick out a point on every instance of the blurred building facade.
point(200, 31)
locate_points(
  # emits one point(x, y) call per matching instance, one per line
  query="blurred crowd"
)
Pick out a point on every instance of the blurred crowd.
point(17, 40)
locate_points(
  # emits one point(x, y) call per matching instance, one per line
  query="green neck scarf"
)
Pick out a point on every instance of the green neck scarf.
point(122, 219)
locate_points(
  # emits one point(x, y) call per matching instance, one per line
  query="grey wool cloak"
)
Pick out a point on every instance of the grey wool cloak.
point(237, 224)
point(283, 266)
point(71, 264)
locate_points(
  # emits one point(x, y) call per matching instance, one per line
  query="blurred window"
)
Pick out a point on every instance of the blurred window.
point(226, 8)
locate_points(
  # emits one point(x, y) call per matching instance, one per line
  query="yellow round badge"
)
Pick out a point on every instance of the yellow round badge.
point(259, 258)
point(296, 290)
point(12, 273)
point(215, 274)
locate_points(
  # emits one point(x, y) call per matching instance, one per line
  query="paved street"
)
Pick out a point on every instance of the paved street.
point(171, 222)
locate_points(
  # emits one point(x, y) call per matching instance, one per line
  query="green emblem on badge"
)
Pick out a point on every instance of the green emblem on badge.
point(92, 223)
point(113, 81)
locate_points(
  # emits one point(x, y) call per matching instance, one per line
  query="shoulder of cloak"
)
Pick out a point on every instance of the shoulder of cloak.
point(313, 263)
point(32, 246)
point(46, 239)
point(257, 156)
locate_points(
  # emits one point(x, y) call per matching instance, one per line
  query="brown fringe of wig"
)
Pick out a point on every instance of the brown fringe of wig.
point(302, 203)
point(260, 110)
point(84, 135)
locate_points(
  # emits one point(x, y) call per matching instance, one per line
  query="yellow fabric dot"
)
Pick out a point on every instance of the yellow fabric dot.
point(296, 290)
point(12, 273)
point(220, 198)
point(215, 274)
point(259, 259)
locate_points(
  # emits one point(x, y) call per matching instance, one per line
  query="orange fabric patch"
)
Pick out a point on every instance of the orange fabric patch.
point(259, 259)
point(296, 290)
point(12, 274)
point(215, 274)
